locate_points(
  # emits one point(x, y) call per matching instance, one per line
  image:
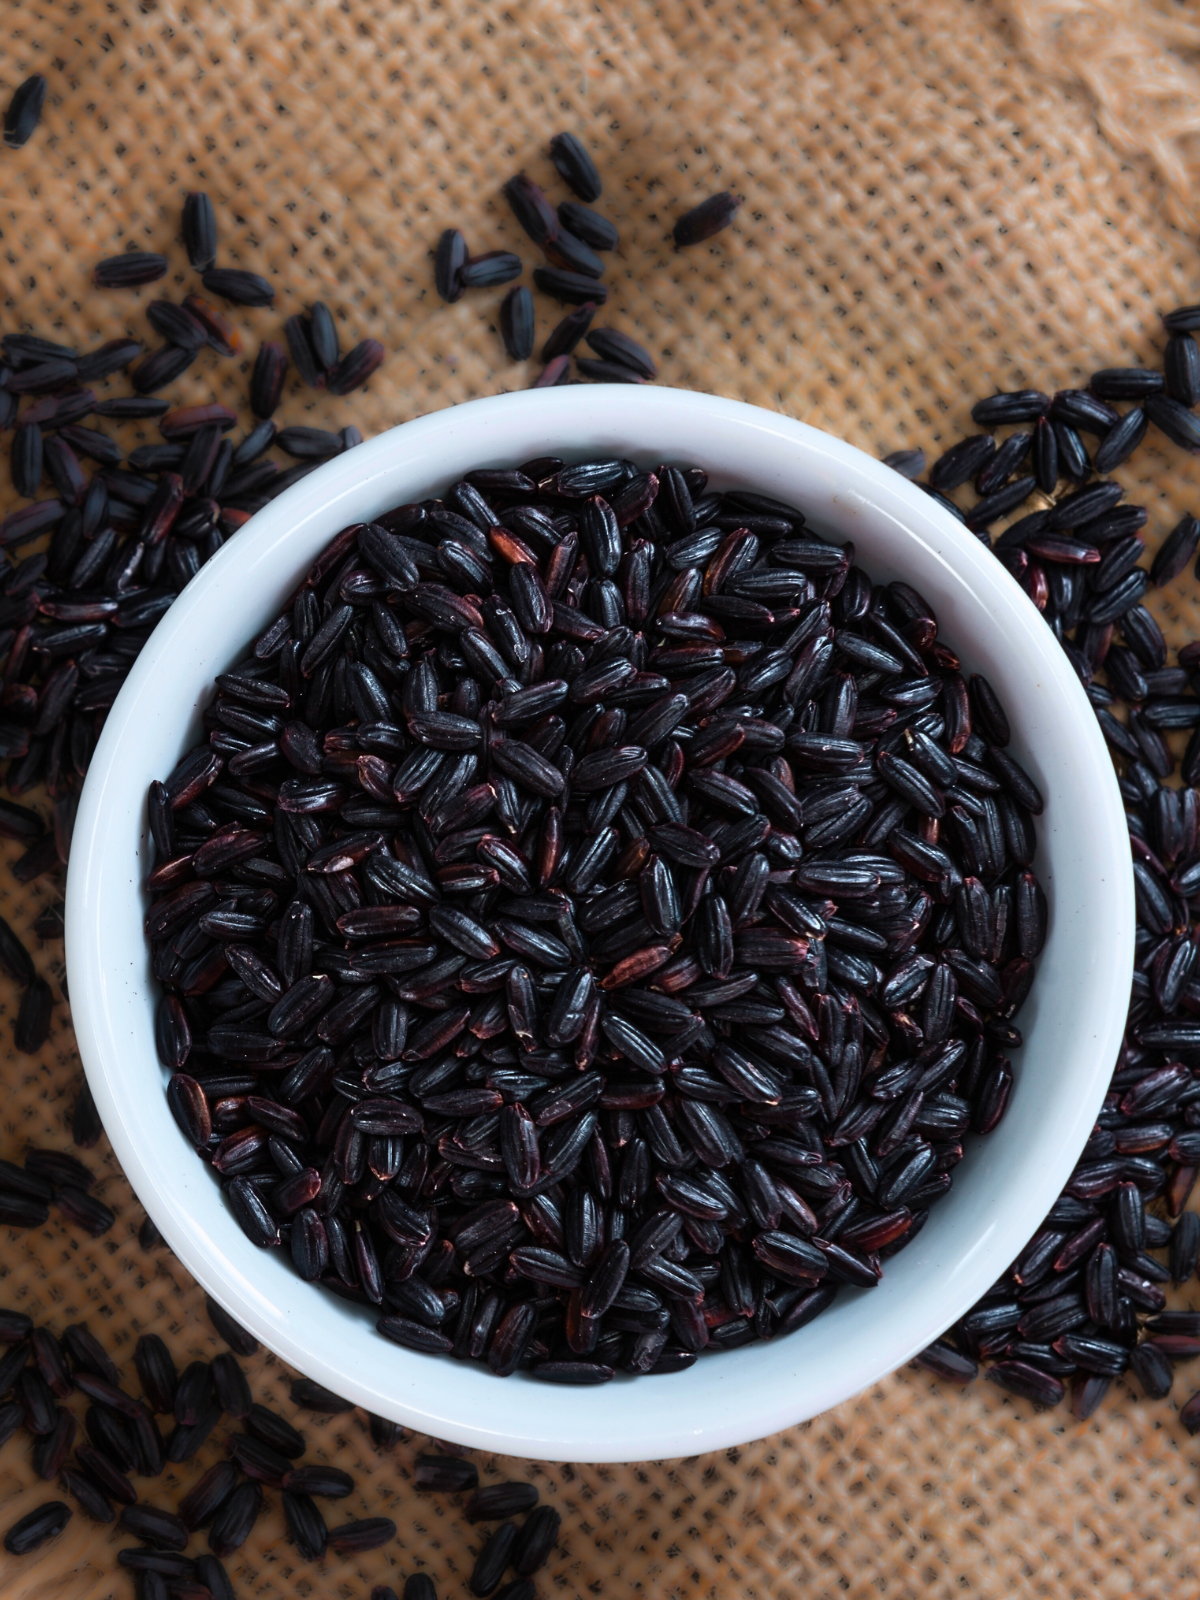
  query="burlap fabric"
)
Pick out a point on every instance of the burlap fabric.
point(936, 206)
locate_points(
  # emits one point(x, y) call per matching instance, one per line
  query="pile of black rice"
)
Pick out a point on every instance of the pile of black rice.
point(593, 922)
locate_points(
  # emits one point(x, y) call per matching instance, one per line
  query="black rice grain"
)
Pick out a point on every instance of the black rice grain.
point(298, 333)
point(1176, 550)
point(208, 1494)
point(312, 1396)
point(199, 230)
point(706, 219)
point(530, 207)
point(36, 1527)
point(573, 255)
point(355, 1538)
point(555, 372)
point(309, 444)
point(588, 225)
point(517, 323)
point(52, 1449)
point(607, 371)
point(572, 288)
point(234, 1335)
point(162, 1529)
point(232, 1524)
point(908, 463)
point(85, 1350)
point(273, 1430)
point(266, 379)
point(324, 336)
point(15, 1327)
point(325, 1482)
point(493, 1559)
point(536, 1540)
point(161, 367)
point(449, 260)
point(212, 1574)
point(501, 1500)
point(14, 958)
point(355, 367)
point(1181, 369)
point(130, 407)
point(176, 324)
point(149, 1237)
point(446, 1474)
point(613, 345)
point(130, 270)
point(406, 1046)
point(242, 287)
point(32, 1027)
point(232, 1389)
point(567, 333)
point(1175, 420)
point(1152, 1369)
point(148, 1561)
point(85, 1211)
point(575, 166)
point(488, 270)
point(156, 1372)
point(26, 460)
point(305, 1525)
point(518, 1589)
point(92, 1500)
point(24, 111)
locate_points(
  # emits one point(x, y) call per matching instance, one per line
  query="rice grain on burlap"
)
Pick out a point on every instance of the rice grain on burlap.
point(927, 217)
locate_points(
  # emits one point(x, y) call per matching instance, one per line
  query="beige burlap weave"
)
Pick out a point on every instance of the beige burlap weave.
point(935, 207)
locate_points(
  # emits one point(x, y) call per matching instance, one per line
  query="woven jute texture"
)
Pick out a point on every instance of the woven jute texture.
point(935, 207)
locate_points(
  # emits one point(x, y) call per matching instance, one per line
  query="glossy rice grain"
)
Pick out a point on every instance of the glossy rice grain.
point(517, 323)
point(199, 230)
point(706, 220)
point(575, 166)
point(24, 111)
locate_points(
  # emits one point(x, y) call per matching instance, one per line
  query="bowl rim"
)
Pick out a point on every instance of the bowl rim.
point(429, 1405)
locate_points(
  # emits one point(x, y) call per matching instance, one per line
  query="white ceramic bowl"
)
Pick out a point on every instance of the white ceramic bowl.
point(1072, 1021)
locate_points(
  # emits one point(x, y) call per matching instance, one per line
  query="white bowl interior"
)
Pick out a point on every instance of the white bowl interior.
point(1072, 1022)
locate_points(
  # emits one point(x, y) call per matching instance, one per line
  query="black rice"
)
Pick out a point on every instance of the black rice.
point(36, 1527)
point(324, 336)
point(626, 983)
point(488, 270)
point(588, 225)
point(354, 368)
point(613, 345)
point(449, 261)
point(130, 270)
point(24, 111)
point(1082, 1302)
point(199, 231)
point(575, 166)
point(517, 323)
point(707, 219)
point(573, 288)
point(244, 288)
point(266, 382)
